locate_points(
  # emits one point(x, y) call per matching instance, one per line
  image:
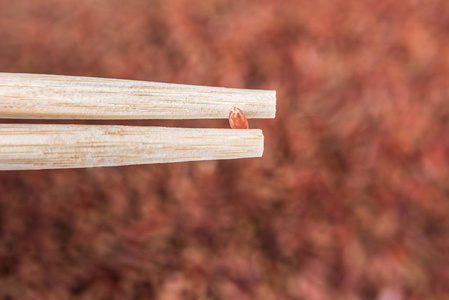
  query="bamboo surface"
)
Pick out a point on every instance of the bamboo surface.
point(35, 96)
point(34, 146)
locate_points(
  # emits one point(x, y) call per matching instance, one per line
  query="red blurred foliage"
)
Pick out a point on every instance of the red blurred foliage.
point(350, 200)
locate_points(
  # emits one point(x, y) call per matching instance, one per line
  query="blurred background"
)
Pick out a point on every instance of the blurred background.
point(349, 201)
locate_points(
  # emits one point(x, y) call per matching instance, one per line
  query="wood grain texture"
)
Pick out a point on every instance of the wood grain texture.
point(35, 96)
point(33, 146)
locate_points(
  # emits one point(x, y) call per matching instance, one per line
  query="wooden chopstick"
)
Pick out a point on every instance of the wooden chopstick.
point(35, 96)
point(37, 146)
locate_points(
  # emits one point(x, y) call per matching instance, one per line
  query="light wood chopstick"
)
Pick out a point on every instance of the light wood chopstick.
point(35, 96)
point(39, 146)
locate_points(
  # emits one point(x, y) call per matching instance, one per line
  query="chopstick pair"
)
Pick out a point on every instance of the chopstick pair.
point(38, 146)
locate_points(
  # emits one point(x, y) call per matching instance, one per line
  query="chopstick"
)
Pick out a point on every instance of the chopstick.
point(35, 96)
point(40, 146)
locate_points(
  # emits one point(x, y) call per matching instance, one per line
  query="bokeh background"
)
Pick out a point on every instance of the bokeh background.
point(349, 201)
